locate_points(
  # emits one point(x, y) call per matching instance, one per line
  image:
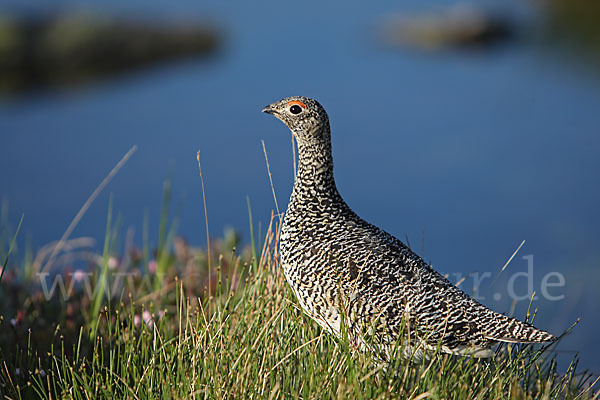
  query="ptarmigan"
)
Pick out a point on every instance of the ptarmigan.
point(340, 266)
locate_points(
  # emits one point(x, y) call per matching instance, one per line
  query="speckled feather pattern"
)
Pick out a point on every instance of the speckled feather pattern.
point(338, 264)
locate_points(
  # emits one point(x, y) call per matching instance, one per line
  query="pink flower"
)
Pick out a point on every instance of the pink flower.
point(152, 266)
point(147, 318)
point(113, 262)
point(78, 275)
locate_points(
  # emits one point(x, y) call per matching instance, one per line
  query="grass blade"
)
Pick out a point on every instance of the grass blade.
point(10, 249)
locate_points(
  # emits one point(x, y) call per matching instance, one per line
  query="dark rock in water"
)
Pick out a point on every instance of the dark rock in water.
point(71, 49)
point(461, 26)
point(574, 28)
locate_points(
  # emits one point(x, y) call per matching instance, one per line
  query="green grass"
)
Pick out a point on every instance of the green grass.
point(244, 338)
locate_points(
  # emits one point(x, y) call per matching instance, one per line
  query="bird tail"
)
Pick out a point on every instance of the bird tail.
point(511, 330)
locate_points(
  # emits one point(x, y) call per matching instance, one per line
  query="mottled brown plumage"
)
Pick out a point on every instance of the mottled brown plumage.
point(338, 265)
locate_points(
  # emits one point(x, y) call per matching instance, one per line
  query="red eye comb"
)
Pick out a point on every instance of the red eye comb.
point(301, 104)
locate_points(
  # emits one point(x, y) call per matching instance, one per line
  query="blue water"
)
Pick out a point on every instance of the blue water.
point(475, 151)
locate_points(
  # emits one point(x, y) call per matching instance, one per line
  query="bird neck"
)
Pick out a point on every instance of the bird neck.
point(314, 178)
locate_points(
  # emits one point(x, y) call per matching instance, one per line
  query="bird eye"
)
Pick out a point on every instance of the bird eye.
point(295, 109)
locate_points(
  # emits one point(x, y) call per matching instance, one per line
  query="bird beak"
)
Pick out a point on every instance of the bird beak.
point(269, 110)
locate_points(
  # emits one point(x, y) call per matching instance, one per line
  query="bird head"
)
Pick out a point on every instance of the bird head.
point(305, 117)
